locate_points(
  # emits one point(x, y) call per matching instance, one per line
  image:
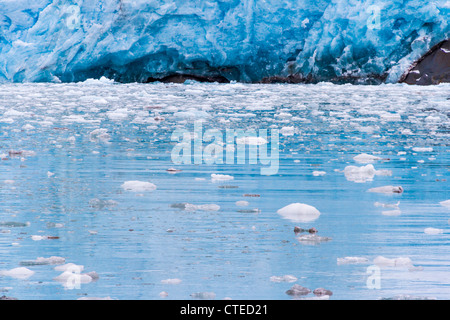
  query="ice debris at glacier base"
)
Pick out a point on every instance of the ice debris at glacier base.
point(244, 41)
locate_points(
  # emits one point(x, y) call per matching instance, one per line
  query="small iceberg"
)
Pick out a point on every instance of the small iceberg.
point(433, 231)
point(387, 189)
point(201, 207)
point(298, 290)
point(21, 273)
point(299, 212)
point(171, 281)
point(286, 278)
point(352, 260)
point(312, 239)
point(396, 262)
point(221, 177)
point(365, 158)
point(364, 174)
point(445, 203)
point(138, 186)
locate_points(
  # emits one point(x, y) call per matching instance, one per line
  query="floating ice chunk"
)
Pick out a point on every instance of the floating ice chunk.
point(28, 127)
point(9, 182)
point(387, 189)
point(422, 149)
point(445, 203)
point(312, 239)
point(201, 207)
point(433, 231)
point(68, 278)
point(363, 174)
point(299, 212)
point(396, 262)
point(320, 292)
point(43, 261)
point(203, 295)
point(171, 281)
point(391, 213)
point(138, 186)
point(38, 238)
point(298, 290)
point(221, 177)
point(365, 158)
point(351, 260)
point(242, 203)
point(286, 278)
point(17, 273)
point(163, 294)
point(319, 173)
point(99, 135)
point(191, 114)
point(118, 114)
point(257, 141)
point(70, 267)
point(287, 131)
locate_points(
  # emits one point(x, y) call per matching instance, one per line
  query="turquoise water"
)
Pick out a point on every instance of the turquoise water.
point(65, 179)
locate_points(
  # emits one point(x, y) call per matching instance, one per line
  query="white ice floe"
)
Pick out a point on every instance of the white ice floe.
point(387, 189)
point(17, 273)
point(138, 186)
point(99, 135)
point(445, 203)
point(221, 177)
point(391, 213)
point(68, 278)
point(312, 239)
point(363, 174)
point(319, 173)
point(70, 267)
point(163, 294)
point(365, 158)
point(242, 203)
point(422, 149)
point(287, 131)
point(171, 281)
point(395, 262)
point(38, 238)
point(433, 231)
point(286, 278)
point(257, 141)
point(201, 207)
point(352, 260)
point(299, 212)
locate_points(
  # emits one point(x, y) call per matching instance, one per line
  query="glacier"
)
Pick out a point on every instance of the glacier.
point(237, 40)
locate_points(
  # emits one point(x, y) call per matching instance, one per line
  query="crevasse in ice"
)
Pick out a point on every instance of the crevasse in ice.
point(243, 40)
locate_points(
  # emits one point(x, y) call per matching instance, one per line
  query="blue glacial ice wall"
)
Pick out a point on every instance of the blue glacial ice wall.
point(242, 40)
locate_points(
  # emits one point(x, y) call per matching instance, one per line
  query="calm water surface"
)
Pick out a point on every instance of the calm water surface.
point(65, 179)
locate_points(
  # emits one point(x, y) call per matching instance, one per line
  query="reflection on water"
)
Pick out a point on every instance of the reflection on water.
point(84, 176)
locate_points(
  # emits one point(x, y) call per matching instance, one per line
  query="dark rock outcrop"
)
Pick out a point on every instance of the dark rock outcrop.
point(181, 78)
point(432, 68)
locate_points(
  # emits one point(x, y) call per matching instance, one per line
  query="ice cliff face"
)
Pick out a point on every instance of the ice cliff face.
point(243, 40)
